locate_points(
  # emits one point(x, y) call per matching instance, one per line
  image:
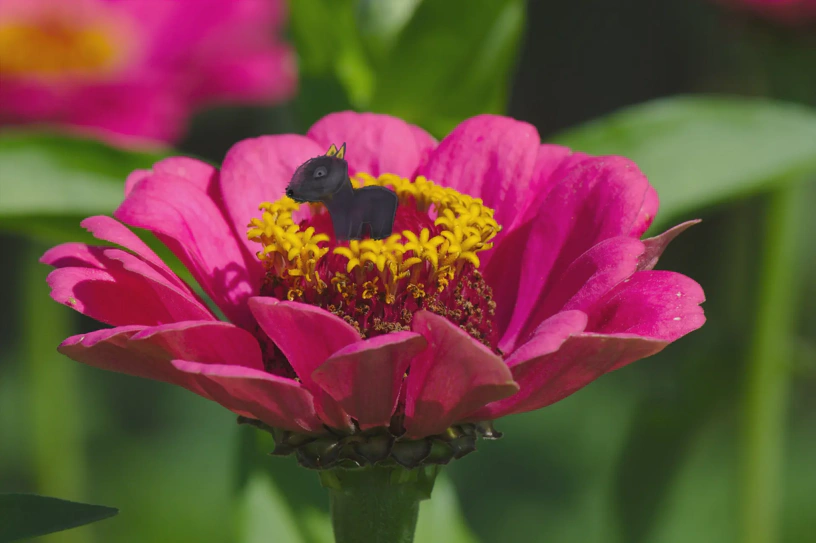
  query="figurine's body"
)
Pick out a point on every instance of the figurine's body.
point(325, 179)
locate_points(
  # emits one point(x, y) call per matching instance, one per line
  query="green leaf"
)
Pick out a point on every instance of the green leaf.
point(29, 515)
point(701, 151)
point(264, 514)
point(334, 67)
point(440, 518)
point(51, 180)
point(452, 60)
point(432, 63)
point(380, 23)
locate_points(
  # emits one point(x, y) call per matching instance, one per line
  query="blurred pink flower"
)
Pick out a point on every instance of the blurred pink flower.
point(138, 68)
point(793, 12)
point(453, 320)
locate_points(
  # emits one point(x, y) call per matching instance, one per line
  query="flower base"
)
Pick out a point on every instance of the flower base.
point(377, 447)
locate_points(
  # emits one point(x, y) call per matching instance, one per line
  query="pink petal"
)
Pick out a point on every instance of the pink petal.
point(276, 401)
point(261, 77)
point(454, 376)
point(424, 142)
point(206, 342)
point(108, 229)
point(258, 170)
point(375, 143)
point(192, 226)
point(307, 336)
point(365, 377)
point(135, 264)
point(655, 304)
point(656, 245)
point(554, 375)
point(647, 213)
point(549, 336)
point(109, 349)
point(122, 290)
point(551, 167)
point(199, 173)
point(74, 255)
point(488, 157)
point(202, 175)
point(80, 255)
point(136, 107)
point(600, 198)
point(134, 178)
point(581, 284)
point(549, 159)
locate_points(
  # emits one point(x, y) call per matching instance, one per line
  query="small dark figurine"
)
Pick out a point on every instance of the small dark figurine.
point(325, 179)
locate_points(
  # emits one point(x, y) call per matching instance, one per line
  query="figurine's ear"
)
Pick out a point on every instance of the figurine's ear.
point(332, 151)
point(341, 153)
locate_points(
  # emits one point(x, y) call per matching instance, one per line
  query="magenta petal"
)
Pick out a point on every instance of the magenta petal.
point(488, 157)
point(375, 143)
point(258, 170)
point(307, 336)
point(109, 350)
point(655, 304)
point(192, 308)
point(122, 290)
point(198, 173)
point(193, 227)
point(656, 245)
point(207, 342)
point(582, 283)
point(599, 198)
point(276, 401)
point(108, 229)
point(554, 375)
point(453, 377)
point(365, 377)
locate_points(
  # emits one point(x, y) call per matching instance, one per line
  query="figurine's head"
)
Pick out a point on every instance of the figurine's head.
point(319, 178)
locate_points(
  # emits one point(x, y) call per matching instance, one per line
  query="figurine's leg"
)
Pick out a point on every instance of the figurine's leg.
point(382, 223)
point(356, 230)
point(382, 228)
point(342, 227)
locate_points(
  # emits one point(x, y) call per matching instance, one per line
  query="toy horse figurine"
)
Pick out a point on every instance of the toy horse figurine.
point(325, 179)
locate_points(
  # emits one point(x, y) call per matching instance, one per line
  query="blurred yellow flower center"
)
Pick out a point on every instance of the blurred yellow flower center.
point(376, 285)
point(55, 49)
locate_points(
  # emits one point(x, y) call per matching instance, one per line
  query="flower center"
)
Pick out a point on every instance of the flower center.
point(377, 285)
point(55, 48)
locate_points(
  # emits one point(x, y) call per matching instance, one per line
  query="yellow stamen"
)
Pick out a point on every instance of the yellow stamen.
point(370, 289)
point(466, 228)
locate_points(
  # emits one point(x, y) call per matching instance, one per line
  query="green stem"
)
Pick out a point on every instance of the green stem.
point(784, 59)
point(55, 423)
point(377, 505)
point(766, 393)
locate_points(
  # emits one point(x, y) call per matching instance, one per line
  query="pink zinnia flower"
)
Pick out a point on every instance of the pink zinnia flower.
point(138, 68)
point(793, 12)
point(517, 277)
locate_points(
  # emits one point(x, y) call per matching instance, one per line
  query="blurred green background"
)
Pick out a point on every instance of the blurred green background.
point(670, 449)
